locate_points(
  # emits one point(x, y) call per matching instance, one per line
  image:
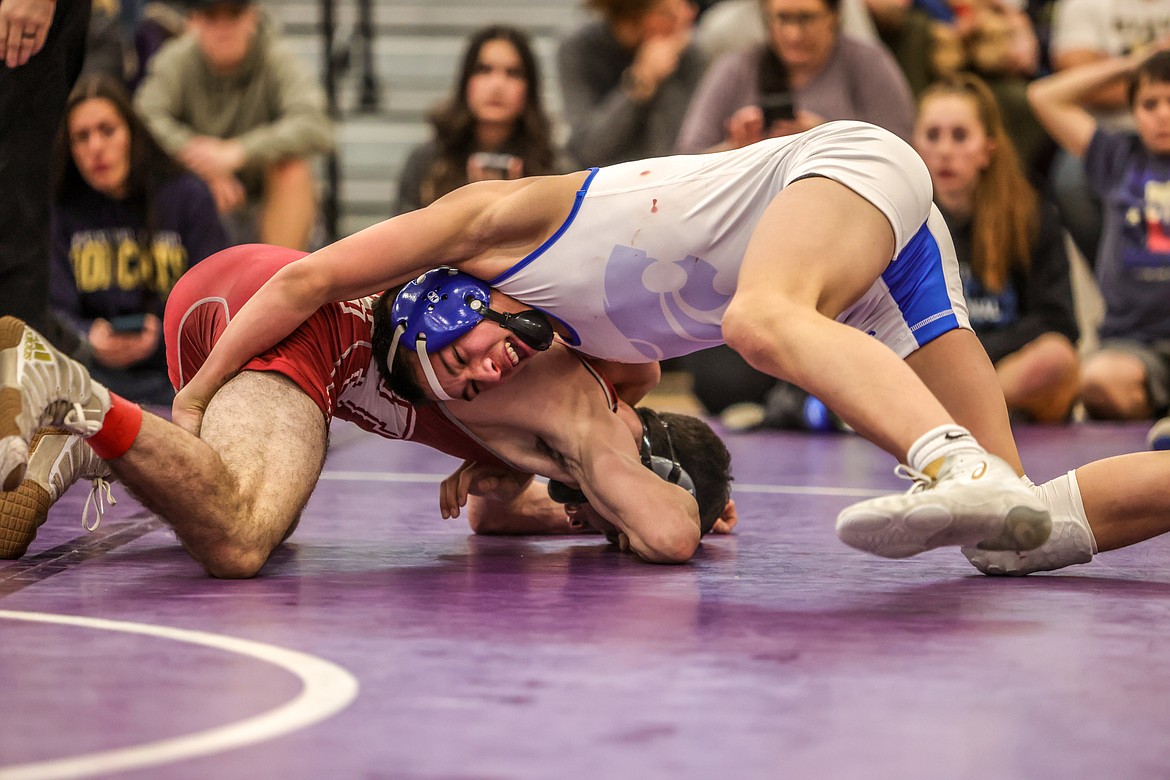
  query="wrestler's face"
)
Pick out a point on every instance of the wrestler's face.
point(498, 88)
point(954, 144)
point(801, 32)
point(99, 140)
point(225, 32)
point(484, 357)
point(1151, 114)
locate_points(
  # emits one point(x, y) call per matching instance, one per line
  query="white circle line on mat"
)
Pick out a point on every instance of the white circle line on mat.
point(326, 690)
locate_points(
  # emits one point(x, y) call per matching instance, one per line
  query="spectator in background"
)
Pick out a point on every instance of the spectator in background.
point(1085, 31)
point(809, 66)
point(734, 25)
point(627, 78)
point(493, 126)
point(128, 221)
point(1129, 377)
point(1009, 244)
point(234, 105)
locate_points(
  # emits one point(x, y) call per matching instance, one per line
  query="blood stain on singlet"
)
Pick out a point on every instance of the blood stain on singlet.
point(654, 206)
point(644, 173)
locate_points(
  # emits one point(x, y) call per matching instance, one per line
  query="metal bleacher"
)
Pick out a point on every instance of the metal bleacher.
point(382, 98)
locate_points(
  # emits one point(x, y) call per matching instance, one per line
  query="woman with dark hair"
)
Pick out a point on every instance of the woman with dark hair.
point(493, 126)
point(128, 221)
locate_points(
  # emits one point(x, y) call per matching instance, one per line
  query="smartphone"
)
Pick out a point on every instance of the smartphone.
point(777, 107)
point(128, 323)
point(494, 163)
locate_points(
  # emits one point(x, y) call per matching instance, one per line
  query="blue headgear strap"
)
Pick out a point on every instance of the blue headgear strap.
point(443, 304)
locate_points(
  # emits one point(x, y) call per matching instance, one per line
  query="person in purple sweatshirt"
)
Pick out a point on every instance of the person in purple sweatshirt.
point(127, 222)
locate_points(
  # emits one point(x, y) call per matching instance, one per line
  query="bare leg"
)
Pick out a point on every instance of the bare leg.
point(290, 205)
point(1127, 498)
point(956, 369)
point(235, 493)
point(1042, 378)
point(818, 248)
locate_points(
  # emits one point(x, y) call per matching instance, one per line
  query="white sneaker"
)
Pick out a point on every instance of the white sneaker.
point(58, 460)
point(1070, 543)
point(1159, 436)
point(39, 386)
point(977, 500)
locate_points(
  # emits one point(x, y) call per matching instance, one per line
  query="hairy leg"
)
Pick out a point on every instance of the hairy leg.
point(818, 248)
point(1042, 378)
point(236, 492)
point(290, 204)
point(956, 369)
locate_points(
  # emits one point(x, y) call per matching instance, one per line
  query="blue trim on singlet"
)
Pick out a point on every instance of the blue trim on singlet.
point(580, 198)
point(919, 286)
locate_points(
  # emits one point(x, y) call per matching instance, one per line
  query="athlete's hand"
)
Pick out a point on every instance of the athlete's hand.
point(727, 521)
point(188, 408)
point(484, 481)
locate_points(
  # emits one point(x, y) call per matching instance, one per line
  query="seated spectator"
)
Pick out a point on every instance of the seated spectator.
point(1085, 31)
point(807, 73)
point(733, 25)
point(234, 105)
point(1010, 247)
point(1129, 171)
point(492, 127)
point(127, 222)
point(627, 78)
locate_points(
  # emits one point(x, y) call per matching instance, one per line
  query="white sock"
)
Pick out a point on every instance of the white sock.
point(936, 444)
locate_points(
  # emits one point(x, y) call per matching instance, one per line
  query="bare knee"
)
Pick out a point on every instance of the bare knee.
point(231, 562)
point(1113, 387)
point(760, 333)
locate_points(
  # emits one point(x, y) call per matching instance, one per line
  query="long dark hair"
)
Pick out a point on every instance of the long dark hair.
point(150, 166)
point(454, 124)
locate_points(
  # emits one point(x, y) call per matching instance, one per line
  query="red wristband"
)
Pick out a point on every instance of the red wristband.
point(119, 429)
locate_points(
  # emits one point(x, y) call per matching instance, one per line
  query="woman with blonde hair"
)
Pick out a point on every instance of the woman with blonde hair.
point(1009, 243)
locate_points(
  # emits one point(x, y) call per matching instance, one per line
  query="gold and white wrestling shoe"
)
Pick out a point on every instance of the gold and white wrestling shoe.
point(39, 387)
point(975, 501)
point(1071, 542)
point(58, 460)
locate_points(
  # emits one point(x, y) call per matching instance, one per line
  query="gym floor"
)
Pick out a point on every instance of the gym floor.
point(384, 642)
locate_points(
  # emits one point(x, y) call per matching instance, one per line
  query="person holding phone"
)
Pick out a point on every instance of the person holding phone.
point(492, 127)
point(807, 72)
point(127, 222)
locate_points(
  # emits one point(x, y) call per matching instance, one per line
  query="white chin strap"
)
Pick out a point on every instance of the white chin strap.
point(420, 347)
point(424, 359)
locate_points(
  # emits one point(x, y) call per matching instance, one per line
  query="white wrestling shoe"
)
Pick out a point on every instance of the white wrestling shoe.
point(1069, 544)
point(39, 386)
point(977, 500)
point(58, 460)
point(1159, 436)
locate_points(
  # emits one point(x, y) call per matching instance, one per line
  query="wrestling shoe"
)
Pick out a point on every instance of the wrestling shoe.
point(1159, 436)
point(976, 500)
point(57, 460)
point(39, 386)
point(1070, 543)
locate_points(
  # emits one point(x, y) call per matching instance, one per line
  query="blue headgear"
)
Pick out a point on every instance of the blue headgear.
point(443, 304)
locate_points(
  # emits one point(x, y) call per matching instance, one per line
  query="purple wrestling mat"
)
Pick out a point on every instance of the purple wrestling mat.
point(384, 642)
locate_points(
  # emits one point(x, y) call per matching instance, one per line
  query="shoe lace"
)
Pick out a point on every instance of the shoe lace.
point(99, 494)
point(921, 480)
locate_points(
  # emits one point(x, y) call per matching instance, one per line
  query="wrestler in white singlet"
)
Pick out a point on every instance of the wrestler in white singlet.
point(645, 265)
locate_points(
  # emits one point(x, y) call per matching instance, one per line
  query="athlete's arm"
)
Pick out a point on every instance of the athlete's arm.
point(631, 381)
point(453, 230)
point(503, 501)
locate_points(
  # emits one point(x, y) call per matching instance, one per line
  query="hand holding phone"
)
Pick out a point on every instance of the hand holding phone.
point(492, 165)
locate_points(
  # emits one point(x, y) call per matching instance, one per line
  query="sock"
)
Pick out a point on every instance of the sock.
point(119, 429)
point(926, 454)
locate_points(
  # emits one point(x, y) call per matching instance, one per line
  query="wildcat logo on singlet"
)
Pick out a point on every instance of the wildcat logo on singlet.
point(675, 306)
